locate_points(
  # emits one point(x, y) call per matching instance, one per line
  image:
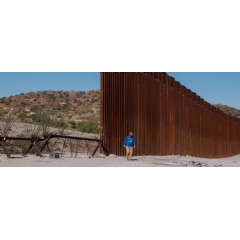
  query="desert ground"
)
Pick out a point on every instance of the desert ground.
point(114, 161)
point(83, 160)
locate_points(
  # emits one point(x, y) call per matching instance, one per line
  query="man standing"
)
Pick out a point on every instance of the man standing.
point(129, 144)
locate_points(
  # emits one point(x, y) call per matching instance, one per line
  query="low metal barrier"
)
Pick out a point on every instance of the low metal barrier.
point(46, 143)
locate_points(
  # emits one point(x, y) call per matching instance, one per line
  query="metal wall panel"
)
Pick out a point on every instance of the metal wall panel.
point(166, 118)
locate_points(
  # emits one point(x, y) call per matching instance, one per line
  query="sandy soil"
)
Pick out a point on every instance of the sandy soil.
point(100, 161)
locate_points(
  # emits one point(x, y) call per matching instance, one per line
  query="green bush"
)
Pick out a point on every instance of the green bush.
point(73, 124)
point(18, 146)
point(88, 127)
point(22, 115)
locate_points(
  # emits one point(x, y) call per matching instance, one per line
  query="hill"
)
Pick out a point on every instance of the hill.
point(228, 110)
point(76, 110)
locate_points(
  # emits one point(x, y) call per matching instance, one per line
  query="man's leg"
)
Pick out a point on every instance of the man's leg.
point(127, 152)
point(130, 153)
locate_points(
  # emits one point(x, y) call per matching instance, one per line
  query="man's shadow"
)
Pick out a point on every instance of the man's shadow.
point(133, 159)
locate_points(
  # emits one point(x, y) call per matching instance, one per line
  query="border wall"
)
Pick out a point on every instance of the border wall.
point(165, 117)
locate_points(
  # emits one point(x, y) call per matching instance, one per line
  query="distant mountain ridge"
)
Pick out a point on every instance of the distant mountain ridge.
point(228, 110)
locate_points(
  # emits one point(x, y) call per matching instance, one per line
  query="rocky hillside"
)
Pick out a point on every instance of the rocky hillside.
point(228, 110)
point(74, 109)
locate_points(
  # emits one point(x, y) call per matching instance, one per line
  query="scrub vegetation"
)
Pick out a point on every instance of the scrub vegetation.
point(76, 110)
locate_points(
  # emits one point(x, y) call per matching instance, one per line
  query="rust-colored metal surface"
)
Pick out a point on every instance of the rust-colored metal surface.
point(165, 117)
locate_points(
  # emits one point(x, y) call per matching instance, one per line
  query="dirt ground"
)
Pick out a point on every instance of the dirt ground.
point(114, 161)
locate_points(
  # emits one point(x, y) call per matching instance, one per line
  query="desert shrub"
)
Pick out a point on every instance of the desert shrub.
point(34, 108)
point(73, 124)
point(22, 115)
point(88, 127)
point(6, 122)
point(94, 100)
point(18, 146)
point(23, 104)
point(60, 122)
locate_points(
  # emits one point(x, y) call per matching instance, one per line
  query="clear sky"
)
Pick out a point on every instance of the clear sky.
point(220, 87)
point(215, 88)
point(16, 83)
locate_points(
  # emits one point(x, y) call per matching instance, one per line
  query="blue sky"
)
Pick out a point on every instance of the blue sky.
point(220, 87)
point(215, 88)
point(16, 83)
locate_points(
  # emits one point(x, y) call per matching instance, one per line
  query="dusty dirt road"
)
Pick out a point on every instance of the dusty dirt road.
point(137, 161)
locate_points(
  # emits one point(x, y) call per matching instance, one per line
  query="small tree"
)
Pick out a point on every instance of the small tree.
point(60, 122)
point(6, 123)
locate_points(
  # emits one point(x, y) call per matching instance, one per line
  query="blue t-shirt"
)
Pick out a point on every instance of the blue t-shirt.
point(129, 141)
